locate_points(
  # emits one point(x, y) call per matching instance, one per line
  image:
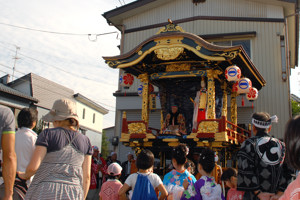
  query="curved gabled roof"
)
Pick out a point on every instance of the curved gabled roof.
point(173, 45)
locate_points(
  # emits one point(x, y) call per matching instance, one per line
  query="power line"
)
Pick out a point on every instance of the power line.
point(120, 2)
point(59, 33)
point(70, 61)
point(65, 71)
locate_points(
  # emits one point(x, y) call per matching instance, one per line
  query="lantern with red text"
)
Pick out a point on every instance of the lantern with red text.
point(126, 80)
point(233, 73)
point(252, 94)
point(244, 85)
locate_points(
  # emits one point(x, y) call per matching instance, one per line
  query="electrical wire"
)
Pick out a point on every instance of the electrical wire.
point(65, 71)
point(70, 61)
point(120, 2)
point(23, 79)
point(59, 33)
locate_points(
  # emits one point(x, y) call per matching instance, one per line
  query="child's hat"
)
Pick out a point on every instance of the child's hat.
point(114, 169)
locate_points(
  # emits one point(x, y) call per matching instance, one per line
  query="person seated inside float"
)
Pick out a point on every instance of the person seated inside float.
point(174, 123)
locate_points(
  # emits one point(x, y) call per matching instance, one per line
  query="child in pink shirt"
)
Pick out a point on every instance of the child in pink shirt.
point(230, 178)
point(292, 139)
point(110, 189)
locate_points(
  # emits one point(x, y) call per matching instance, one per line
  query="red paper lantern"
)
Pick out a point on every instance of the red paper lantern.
point(244, 85)
point(233, 73)
point(126, 80)
point(252, 94)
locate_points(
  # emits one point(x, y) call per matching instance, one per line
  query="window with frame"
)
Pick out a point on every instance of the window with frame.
point(83, 113)
point(245, 43)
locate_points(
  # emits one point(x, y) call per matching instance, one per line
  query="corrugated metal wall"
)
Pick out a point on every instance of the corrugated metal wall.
point(265, 47)
point(181, 9)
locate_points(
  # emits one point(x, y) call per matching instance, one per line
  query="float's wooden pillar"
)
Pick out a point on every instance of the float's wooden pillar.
point(233, 108)
point(145, 106)
point(211, 105)
point(224, 109)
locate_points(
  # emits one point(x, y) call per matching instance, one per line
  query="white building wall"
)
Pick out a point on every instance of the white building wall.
point(87, 121)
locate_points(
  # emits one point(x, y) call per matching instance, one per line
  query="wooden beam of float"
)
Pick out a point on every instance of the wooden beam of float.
point(185, 74)
point(211, 106)
point(145, 107)
point(233, 109)
point(224, 109)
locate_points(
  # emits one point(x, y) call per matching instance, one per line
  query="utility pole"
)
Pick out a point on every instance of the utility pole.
point(14, 68)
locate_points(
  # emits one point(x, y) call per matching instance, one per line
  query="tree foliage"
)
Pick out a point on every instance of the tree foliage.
point(295, 108)
point(104, 145)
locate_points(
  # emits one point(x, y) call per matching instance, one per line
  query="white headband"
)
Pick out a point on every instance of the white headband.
point(261, 124)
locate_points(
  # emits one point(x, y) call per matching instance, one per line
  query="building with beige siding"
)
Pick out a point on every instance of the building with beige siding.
point(90, 113)
point(268, 30)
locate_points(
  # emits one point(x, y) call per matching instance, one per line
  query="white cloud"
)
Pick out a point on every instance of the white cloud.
point(75, 54)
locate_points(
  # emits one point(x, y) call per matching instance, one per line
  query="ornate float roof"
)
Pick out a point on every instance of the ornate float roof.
point(173, 49)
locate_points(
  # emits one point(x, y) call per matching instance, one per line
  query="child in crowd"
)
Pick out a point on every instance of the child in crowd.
point(230, 178)
point(110, 189)
point(205, 187)
point(144, 182)
point(292, 141)
point(174, 179)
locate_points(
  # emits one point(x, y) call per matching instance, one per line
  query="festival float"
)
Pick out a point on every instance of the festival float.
point(196, 79)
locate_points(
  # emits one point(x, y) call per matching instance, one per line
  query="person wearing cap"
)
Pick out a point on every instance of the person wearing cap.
point(61, 161)
point(260, 161)
point(110, 189)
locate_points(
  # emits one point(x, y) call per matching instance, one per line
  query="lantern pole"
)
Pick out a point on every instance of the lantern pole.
point(211, 106)
point(233, 108)
point(145, 107)
point(224, 109)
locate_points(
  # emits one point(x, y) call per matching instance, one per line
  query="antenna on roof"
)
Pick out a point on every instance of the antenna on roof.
point(14, 68)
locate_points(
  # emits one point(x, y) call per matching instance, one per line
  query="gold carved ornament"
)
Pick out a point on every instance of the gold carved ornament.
point(168, 53)
point(145, 107)
point(208, 127)
point(211, 110)
point(229, 55)
point(170, 28)
point(178, 67)
point(137, 128)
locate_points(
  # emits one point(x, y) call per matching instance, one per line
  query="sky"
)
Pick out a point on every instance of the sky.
point(70, 60)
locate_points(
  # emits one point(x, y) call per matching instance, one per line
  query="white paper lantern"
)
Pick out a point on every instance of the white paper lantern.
point(244, 85)
point(126, 80)
point(233, 73)
point(252, 94)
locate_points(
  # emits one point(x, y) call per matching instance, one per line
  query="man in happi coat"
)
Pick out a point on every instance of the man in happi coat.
point(260, 161)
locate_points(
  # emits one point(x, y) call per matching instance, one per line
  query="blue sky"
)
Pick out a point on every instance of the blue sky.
point(73, 61)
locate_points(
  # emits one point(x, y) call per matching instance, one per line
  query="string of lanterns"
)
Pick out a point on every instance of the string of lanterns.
point(241, 85)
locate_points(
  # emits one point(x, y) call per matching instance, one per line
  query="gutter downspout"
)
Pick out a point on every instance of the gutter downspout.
point(287, 53)
point(287, 57)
